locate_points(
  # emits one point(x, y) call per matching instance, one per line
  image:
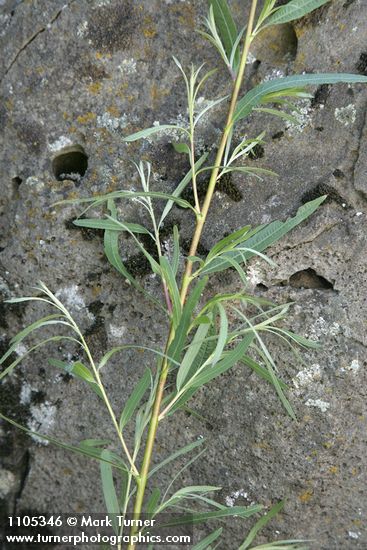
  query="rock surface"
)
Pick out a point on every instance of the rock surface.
point(85, 73)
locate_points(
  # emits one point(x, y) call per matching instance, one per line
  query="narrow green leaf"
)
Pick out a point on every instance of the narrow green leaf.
point(153, 501)
point(191, 354)
point(222, 336)
point(229, 359)
point(178, 343)
point(16, 361)
point(205, 543)
point(30, 328)
point(181, 186)
point(231, 240)
point(80, 371)
point(260, 524)
point(91, 452)
point(151, 131)
point(261, 371)
point(176, 250)
point(263, 238)
point(109, 491)
point(181, 148)
point(110, 225)
point(117, 349)
point(254, 96)
point(94, 443)
point(135, 398)
point(169, 277)
point(195, 518)
point(111, 247)
point(226, 26)
point(280, 114)
point(184, 450)
point(283, 545)
point(293, 10)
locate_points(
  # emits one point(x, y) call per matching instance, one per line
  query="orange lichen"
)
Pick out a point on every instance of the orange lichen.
point(87, 117)
point(306, 496)
point(94, 87)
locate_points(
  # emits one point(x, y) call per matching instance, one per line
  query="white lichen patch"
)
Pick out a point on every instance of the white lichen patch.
point(34, 182)
point(82, 29)
point(4, 23)
point(21, 349)
point(346, 115)
point(60, 143)
point(303, 116)
point(322, 328)
point(354, 366)
point(72, 300)
point(306, 376)
point(275, 73)
point(128, 66)
point(42, 419)
point(7, 483)
point(254, 275)
point(117, 331)
point(26, 393)
point(250, 59)
point(230, 500)
point(111, 123)
point(318, 403)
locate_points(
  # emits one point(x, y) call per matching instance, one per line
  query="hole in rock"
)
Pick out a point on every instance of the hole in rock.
point(16, 183)
point(321, 95)
point(308, 278)
point(361, 66)
point(257, 152)
point(70, 163)
point(277, 44)
point(261, 287)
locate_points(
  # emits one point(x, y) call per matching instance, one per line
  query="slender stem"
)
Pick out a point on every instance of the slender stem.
point(109, 408)
point(218, 160)
point(201, 218)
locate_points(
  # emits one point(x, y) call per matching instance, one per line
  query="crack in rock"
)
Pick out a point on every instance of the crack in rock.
point(29, 41)
point(358, 153)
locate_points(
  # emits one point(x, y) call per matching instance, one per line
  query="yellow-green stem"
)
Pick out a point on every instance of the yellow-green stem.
point(142, 481)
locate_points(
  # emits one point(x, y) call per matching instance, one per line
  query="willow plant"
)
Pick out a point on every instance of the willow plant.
point(204, 339)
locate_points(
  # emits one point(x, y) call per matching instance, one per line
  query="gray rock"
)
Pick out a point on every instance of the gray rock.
point(87, 73)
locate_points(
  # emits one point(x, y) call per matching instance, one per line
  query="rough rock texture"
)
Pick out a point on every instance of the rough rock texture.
point(88, 72)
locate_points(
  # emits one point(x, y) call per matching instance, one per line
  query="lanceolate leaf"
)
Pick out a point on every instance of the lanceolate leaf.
point(205, 543)
point(135, 398)
point(260, 524)
point(80, 371)
point(174, 292)
point(184, 450)
point(110, 225)
point(230, 358)
point(191, 354)
point(226, 26)
point(181, 186)
point(254, 96)
point(92, 452)
point(261, 371)
point(178, 343)
point(195, 518)
point(109, 491)
point(293, 10)
point(263, 238)
point(111, 247)
point(151, 131)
